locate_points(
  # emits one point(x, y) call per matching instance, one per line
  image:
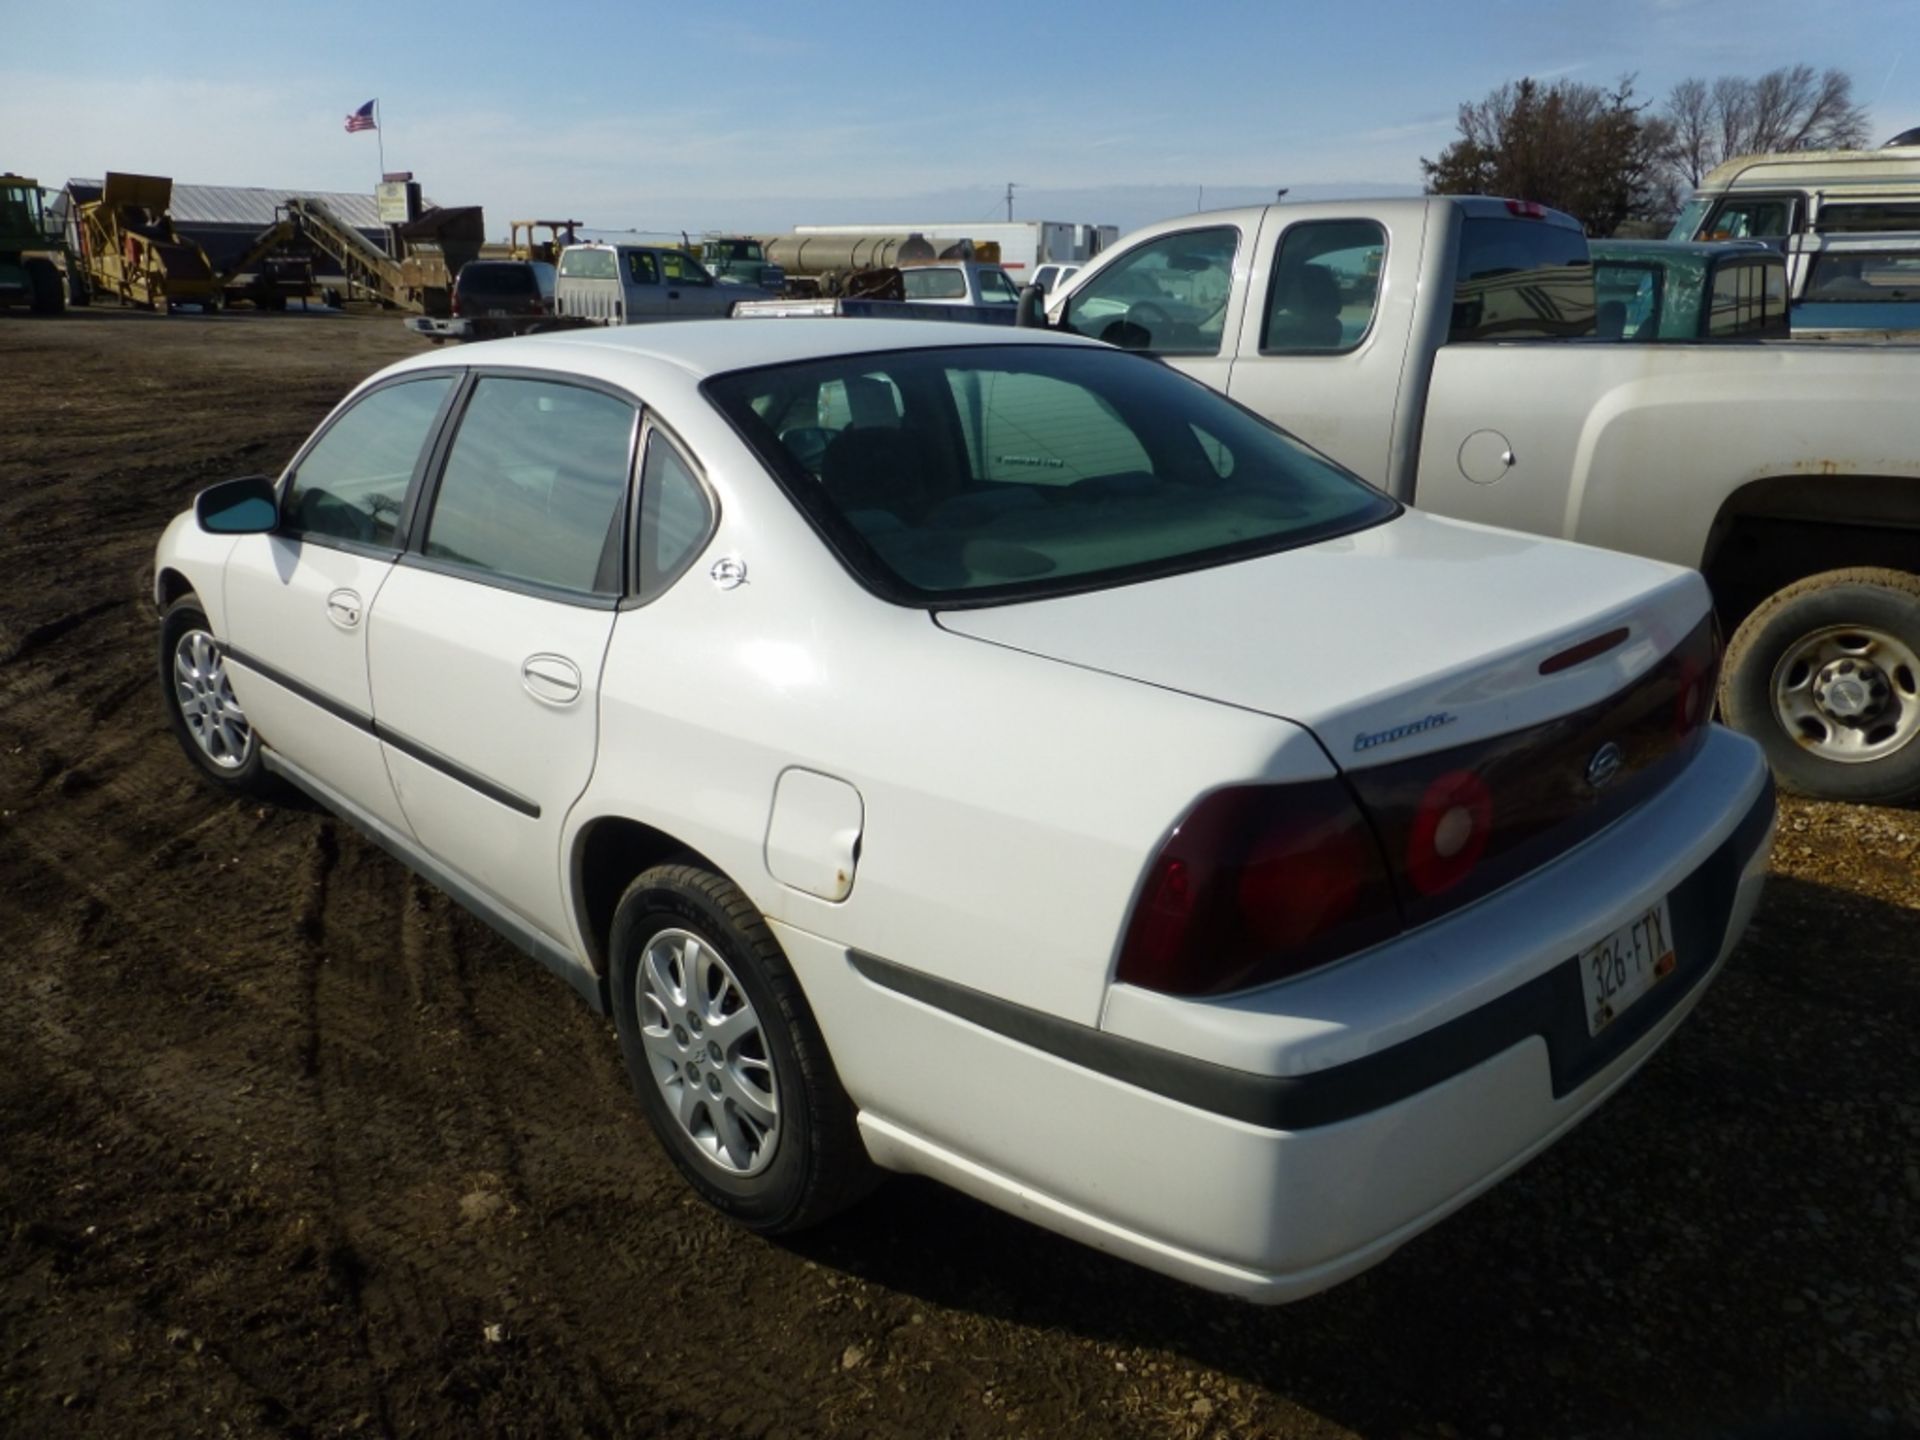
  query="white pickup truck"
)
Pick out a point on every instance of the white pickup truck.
point(1443, 348)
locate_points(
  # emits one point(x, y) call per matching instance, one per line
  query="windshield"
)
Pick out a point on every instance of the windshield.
point(985, 473)
point(1687, 227)
point(735, 250)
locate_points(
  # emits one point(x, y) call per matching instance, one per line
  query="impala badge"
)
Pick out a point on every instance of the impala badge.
point(1604, 765)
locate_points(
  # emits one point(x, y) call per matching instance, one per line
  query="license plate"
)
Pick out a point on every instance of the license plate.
point(1625, 965)
point(496, 314)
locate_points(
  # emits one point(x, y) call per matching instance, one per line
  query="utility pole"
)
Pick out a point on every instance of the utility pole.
point(1012, 185)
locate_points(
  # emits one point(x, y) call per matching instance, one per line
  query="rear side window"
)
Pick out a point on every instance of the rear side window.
point(535, 485)
point(352, 483)
point(1872, 215)
point(1325, 285)
point(1521, 279)
point(642, 267)
point(1851, 275)
point(676, 517)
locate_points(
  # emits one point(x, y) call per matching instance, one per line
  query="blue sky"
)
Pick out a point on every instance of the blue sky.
point(702, 115)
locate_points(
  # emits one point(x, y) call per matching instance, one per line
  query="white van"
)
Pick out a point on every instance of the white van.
point(1769, 197)
point(631, 284)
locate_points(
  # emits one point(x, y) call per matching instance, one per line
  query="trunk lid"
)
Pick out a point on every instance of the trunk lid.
point(1406, 639)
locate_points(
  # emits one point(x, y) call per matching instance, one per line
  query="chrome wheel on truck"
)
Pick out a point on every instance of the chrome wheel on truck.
point(1825, 674)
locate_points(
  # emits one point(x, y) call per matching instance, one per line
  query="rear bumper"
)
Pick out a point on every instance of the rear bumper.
point(1299, 1135)
point(434, 328)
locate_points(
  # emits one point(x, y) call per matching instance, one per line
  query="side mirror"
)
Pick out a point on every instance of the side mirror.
point(1031, 312)
point(247, 506)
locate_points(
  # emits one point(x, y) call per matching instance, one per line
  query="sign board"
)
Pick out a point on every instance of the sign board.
point(399, 201)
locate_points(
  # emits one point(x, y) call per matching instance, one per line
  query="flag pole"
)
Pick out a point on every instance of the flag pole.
point(380, 134)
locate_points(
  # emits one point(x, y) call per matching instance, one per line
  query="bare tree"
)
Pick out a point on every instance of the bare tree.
point(1791, 108)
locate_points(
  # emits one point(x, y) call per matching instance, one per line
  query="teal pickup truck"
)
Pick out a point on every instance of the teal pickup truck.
point(1689, 290)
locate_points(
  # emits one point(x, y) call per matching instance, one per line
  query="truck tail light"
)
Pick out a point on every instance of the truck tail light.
point(1256, 883)
point(1527, 209)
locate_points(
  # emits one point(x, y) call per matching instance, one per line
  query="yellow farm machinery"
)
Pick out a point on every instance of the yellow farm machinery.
point(130, 248)
point(31, 251)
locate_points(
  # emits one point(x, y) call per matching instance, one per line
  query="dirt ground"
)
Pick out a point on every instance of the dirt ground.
point(289, 1145)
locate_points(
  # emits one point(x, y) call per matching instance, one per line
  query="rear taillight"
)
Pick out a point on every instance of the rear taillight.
point(456, 302)
point(1527, 209)
point(539, 308)
point(1258, 882)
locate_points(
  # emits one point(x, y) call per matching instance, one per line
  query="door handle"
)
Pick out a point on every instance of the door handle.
point(673, 294)
point(343, 609)
point(551, 679)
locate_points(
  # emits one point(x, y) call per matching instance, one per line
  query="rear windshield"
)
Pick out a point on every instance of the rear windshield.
point(1521, 279)
point(985, 473)
point(934, 284)
point(499, 279)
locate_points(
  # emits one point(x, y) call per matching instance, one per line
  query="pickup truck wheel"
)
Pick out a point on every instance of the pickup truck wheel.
point(725, 1055)
point(1825, 674)
point(206, 719)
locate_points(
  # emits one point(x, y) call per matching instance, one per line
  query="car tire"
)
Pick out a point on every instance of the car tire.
point(209, 725)
point(725, 1056)
point(1825, 674)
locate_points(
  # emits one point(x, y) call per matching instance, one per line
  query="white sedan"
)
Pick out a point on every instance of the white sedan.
point(995, 756)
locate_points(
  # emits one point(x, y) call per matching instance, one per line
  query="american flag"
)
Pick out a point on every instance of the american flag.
point(362, 119)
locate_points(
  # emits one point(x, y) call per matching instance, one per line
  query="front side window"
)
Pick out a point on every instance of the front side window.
point(535, 485)
point(352, 484)
point(1756, 218)
point(1168, 296)
point(1521, 279)
point(1019, 470)
point(997, 289)
point(1325, 286)
point(681, 268)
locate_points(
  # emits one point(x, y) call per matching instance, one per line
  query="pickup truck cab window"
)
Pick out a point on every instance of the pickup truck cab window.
point(535, 486)
point(1325, 285)
point(1168, 296)
point(934, 283)
point(644, 269)
point(1521, 279)
point(1748, 300)
point(587, 263)
point(352, 485)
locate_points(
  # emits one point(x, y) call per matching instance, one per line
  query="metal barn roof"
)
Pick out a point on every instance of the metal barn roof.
point(250, 205)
